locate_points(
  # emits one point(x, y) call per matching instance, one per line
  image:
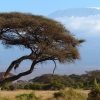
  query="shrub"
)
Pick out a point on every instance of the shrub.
point(54, 86)
point(94, 95)
point(69, 94)
point(95, 92)
point(8, 86)
point(20, 85)
point(36, 86)
point(78, 85)
point(59, 94)
point(30, 96)
point(40, 86)
point(27, 86)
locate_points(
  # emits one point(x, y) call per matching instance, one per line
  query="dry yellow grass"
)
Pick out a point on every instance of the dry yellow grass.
point(11, 95)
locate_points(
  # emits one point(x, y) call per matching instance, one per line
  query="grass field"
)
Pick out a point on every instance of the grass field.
point(11, 95)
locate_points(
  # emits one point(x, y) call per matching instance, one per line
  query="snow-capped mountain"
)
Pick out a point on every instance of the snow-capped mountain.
point(85, 21)
point(76, 12)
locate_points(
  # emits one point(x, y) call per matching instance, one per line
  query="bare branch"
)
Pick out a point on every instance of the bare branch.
point(54, 66)
point(16, 63)
point(15, 77)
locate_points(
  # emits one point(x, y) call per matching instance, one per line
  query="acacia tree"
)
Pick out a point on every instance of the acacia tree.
point(45, 38)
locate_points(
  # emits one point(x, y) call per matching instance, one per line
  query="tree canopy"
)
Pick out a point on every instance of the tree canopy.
point(45, 38)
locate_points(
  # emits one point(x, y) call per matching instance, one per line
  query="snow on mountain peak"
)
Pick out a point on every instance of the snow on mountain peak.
point(76, 12)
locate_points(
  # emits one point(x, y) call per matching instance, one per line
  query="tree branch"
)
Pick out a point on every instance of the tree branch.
point(15, 77)
point(16, 63)
point(54, 66)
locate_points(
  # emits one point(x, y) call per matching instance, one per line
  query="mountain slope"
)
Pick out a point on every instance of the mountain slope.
point(75, 12)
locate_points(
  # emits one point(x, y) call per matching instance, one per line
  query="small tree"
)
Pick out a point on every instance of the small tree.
point(45, 38)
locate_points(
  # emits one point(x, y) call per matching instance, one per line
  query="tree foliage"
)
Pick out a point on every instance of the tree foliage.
point(45, 38)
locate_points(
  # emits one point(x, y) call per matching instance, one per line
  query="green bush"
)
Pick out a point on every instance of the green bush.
point(94, 95)
point(30, 96)
point(37, 86)
point(95, 92)
point(54, 86)
point(8, 86)
point(77, 85)
point(69, 94)
point(27, 86)
point(40, 86)
point(59, 94)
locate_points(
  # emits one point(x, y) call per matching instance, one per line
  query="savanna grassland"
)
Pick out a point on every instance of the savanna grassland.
point(69, 94)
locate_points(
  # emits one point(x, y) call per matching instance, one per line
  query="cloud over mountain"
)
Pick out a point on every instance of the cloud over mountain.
point(76, 12)
point(85, 21)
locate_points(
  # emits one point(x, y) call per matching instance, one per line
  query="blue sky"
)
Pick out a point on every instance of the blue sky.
point(44, 7)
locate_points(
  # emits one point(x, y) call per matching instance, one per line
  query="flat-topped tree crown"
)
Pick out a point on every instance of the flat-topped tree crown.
point(46, 38)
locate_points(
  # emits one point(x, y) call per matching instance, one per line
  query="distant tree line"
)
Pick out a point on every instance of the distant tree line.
point(85, 81)
point(56, 82)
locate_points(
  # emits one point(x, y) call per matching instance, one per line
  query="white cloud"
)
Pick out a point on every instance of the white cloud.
point(89, 25)
point(98, 8)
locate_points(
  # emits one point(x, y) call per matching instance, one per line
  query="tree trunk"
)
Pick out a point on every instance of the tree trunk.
point(15, 77)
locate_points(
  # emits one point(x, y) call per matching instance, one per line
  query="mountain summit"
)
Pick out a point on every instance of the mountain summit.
point(76, 12)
